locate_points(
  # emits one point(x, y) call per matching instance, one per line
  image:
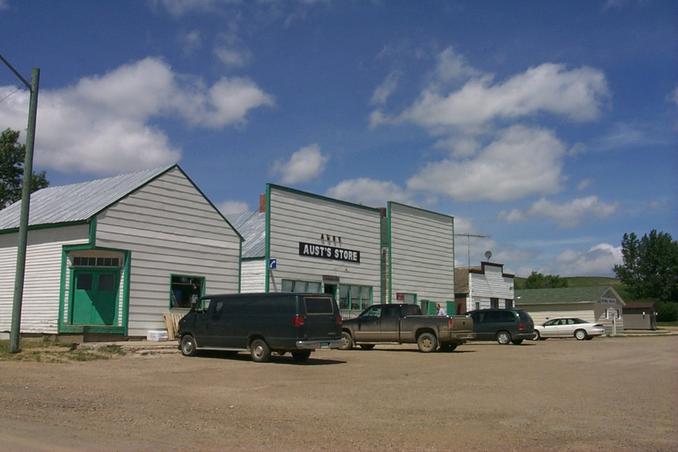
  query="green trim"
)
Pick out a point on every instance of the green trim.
point(45, 226)
point(420, 209)
point(240, 266)
point(324, 198)
point(93, 231)
point(390, 254)
point(63, 327)
point(267, 254)
point(127, 272)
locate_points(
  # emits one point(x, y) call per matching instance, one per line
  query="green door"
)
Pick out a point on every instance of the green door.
point(95, 296)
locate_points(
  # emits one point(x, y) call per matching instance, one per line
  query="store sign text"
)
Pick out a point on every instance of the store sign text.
point(328, 252)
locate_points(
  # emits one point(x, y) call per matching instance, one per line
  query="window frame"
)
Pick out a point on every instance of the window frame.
point(203, 288)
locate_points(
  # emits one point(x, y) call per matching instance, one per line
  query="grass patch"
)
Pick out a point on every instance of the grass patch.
point(54, 352)
point(675, 323)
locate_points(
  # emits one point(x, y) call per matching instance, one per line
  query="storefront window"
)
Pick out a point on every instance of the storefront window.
point(354, 299)
point(344, 300)
point(289, 285)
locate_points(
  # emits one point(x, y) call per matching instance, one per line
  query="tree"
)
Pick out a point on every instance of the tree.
point(650, 266)
point(539, 281)
point(12, 155)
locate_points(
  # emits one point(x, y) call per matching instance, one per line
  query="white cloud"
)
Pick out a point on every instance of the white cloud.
point(190, 41)
point(583, 184)
point(385, 89)
point(232, 207)
point(232, 56)
point(304, 165)
point(567, 214)
point(179, 8)
point(4, 4)
point(101, 124)
point(452, 66)
point(520, 162)
point(370, 192)
point(577, 94)
point(597, 260)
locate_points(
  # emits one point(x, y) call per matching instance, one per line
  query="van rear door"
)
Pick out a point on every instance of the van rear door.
point(321, 318)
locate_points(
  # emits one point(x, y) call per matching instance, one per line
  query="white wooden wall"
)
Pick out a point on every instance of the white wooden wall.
point(491, 284)
point(40, 307)
point(253, 276)
point(297, 217)
point(422, 248)
point(170, 229)
point(542, 313)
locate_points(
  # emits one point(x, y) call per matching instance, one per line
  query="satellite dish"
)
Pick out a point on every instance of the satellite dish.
point(488, 254)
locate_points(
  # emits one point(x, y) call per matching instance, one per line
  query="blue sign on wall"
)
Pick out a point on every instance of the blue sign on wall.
point(273, 264)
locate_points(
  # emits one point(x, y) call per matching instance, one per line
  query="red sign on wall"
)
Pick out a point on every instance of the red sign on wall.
point(400, 296)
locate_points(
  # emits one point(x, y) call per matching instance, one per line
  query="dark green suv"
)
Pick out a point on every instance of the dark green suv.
point(502, 325)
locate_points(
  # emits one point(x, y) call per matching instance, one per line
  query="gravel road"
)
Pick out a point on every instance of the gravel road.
point(605, 394)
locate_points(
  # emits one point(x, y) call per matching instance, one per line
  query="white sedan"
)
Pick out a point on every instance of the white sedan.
point(568, 327)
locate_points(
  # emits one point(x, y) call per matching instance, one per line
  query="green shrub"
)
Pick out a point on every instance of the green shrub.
point(667, 311)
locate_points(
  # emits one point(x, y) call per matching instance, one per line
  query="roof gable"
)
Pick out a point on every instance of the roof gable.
point(77, 202)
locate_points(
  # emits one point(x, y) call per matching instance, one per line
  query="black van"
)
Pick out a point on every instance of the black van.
point(262, 323)
point(502, 325)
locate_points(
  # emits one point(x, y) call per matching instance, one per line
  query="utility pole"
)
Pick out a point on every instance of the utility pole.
point(15, 332)
point(468, 243)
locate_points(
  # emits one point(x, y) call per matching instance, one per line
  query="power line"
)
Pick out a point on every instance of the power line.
point(10, 94)
point(468, 243)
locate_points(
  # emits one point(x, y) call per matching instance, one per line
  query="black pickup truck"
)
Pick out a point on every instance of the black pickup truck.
point(404, 324)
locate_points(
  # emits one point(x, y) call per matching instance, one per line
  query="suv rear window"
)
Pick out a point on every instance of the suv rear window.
point(524, 316)
point(319, 305)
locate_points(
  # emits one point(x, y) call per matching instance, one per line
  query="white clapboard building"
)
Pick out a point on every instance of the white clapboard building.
point(303, 242)
point(111, 256)
point(483, 287)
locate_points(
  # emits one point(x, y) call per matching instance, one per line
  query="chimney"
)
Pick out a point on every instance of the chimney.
point(262, 203)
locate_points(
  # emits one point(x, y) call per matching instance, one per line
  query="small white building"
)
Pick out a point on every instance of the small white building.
point(598, 304)
point(111, 256)
point(483, 287)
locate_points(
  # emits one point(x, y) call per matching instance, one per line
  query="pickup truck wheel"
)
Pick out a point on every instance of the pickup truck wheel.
point(260, 351)
point(188, 346)
point(301, 355)
point(427, 342)
point(346, 341)
point(367, 346)
point(503, 337)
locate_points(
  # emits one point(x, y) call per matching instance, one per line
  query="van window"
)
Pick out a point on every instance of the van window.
point(318, 306)
point(506, 316)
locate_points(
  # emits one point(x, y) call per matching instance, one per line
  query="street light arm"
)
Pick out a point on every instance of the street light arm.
point(11, 68)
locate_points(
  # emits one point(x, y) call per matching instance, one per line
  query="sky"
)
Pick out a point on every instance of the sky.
point(550, 127)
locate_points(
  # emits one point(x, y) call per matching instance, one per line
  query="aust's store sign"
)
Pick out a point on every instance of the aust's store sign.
point(328, 252)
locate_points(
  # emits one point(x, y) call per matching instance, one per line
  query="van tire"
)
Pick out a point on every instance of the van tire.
point(301, 355)
point(260, 351)
point(427, 342)
point(188, 345)
point(503, 337)
point(346, 341)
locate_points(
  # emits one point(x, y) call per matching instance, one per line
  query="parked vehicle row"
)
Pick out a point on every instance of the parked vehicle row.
point(262, 324)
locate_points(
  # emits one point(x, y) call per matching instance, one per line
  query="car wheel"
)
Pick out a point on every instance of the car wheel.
point(448, 347)
point(367, 346)
point(503, 337)
point(188, 345)
point(517, 341)
point(427, 342)
point(346, 341)
point(580, 335)
point(260, 351)
point(301, 355)
point(537, 336)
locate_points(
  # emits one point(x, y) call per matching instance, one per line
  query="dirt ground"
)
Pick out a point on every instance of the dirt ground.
point(605, 394)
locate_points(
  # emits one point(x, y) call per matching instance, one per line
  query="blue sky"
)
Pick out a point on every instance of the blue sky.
point(549, 126)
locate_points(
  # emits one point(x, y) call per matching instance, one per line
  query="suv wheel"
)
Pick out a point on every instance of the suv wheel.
point(260, 351)
point(346, 341)
point(302, 355)
point(503, 337)
point(580, 335)
point(188, 346)
point(427, 342)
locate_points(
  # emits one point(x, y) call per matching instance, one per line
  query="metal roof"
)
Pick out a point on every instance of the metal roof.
point(565, 295)
point(252, 226)
point(76, 202)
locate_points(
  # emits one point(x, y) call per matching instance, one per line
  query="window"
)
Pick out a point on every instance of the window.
point(107, 281)
point(494, 303)
point(185, 289)
point(80, 261)
point(84, 281)
point(294, 286)
point(374, 311)
point(508, 303)
point(318, 305)
point(354, 298)
point(411, 310)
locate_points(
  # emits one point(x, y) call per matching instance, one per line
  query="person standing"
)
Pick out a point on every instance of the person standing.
point(440, 309)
